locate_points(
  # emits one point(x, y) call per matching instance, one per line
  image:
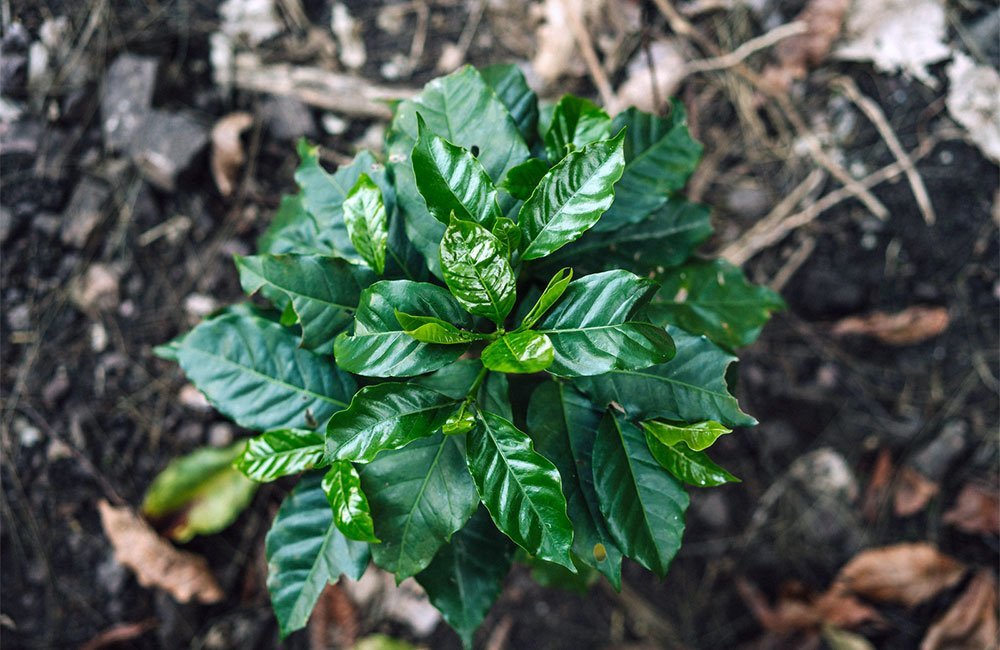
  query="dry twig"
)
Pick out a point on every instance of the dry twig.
point(747, 49)
point(586, 45)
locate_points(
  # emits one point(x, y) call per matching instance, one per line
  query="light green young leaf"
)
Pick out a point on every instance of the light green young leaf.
point(351, 513)
point(576, 122)
point(522, 352)
point(522, 180)
point(571, 197)
point(429, 329)
point(698, 436)
point(508, 234)
point(366, 221)
point(281, 452)
point(552, 293)
point(477, 271)
point(687, 465)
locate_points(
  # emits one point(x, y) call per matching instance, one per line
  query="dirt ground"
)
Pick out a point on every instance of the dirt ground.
point(99, 265)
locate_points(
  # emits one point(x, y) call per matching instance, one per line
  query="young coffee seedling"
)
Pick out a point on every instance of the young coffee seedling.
point(496, 341)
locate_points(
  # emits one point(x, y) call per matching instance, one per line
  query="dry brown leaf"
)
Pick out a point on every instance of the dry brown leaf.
point(878, 486)
point(334, 622)
point(903, 573)
point(557, 53)
point(801, 612)
point(154, 560)
point(227, 150)
point(976, 511)
point(971, 622)
point(796, 54)
point(118, 634)
point(913, 492)
point(912, 325)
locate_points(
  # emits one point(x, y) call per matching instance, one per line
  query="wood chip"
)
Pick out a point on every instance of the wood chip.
point(912, 325)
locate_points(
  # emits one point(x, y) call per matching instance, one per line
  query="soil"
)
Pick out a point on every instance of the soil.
point(89, 413)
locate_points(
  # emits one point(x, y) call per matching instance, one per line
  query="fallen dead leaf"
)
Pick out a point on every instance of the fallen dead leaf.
point(119, 634)
point(334, 622)
point(878, 486)
point(154, 560)
point(96, 289)
point(903, 573)
point(668, 69)
point(557, 55)
point(971, 622)
point(913, 492)
point(976, 511)
point(795, 612)
point(227, 150)
point(912, 325)
point(796, 54)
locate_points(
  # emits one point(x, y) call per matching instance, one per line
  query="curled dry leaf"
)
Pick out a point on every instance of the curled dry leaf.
point(976, 511)
point(155, 562)
point(227, 150)
point(971, 622)
point(912, 325)
point(795, 55)
point(913, 492)
point(903, 573)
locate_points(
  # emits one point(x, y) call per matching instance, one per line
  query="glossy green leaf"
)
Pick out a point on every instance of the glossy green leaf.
point(519, 352)
point(508, 234)
point(691, 467)
point(660, 156)
point(714, 298)
point(571, 197)
point(201, 491)
point(563, 424)
point(455, 380)
point(477, 271)
point(698, 436)
point(508, 82)
point(494, 396)
point(522, 180)
point(281, 452)
point(642, 505)
point(691, 387)
point(520, 488)
point(254, 372)
point(305, 551)
point(552, 293)
point(379, 347)
point(292, 230)
point(576, 122)
point(384, 417)
point(467, 575)
point(459, 422)
point(351, 513)
point(322, 291)
point(366, 221)
point(429, 329)
point(419, 495)
point(452, 180)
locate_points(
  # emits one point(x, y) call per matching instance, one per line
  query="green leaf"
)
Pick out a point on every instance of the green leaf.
point(253, 371)
point(521, 489)
point(292, 229)
point(687, 465)
point(322, 291)
point(467, 575)
point(366, 221)
point(689, 388)
point(660, 155)
point(383, 642)
point(642, 505)
point(420, 495)
point(508, 82)
point(476, 270)
point(508, 234)
point(519, 352)
point(428, 329)
point(522, 180)
point(454, 380)
point(590, 331)
point(698, 436)
point(552, 293)
point(380, 348)
point(351, 513)
point(714, 298)
point(452, 180)
point(305, 550)
point(494, 396)
point(576, 122)
point(201, 491)
point(281, 452)
point(556, 576)
point(563, 424)
point(384, 417)
point(571, 197)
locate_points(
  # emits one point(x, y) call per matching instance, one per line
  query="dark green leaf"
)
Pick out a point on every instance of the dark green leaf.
point(292, 230)
point(476, 270)
point(715, 299)
point(576, 122)
point(642, 505)
point(366, 221)
point(351, 513)
point(698, 436)
point(380, 348)
point(494, 396)
point(563, 423)
point(454, 380)
point(521, 489)
point(305, 550)
point(522, 180)
point(553, 292)
point(420, 495)
point(571, 197)
point(434, 330)
point(322, 291)
point(384, 417)
point(508, 234)
point(511, 87)
point(689, 388)
point(467, 575)
point(556, 576)
point(281, 452)
point(687, 465)
point(519, 352)
point(253, 371)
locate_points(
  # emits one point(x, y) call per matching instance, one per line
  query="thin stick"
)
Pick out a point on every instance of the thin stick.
point(748, 48)
point(583, 40)
point(794, 263)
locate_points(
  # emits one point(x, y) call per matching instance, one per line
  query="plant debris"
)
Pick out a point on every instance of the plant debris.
point(908, 327)
point(976, 511)
point(228, 154)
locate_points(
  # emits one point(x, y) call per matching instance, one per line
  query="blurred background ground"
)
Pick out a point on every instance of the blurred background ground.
point(850, 161)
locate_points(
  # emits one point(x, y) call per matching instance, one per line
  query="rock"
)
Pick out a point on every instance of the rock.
point(19, 317)
point(97, 290)
point(28, 434)
point(84, 212)
point(287, 119)
point(198, 305)
point(126, 98)
point(220, 434)
point(166, 145)
point(20, 138)
point(334, 124)
point(192, 398)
